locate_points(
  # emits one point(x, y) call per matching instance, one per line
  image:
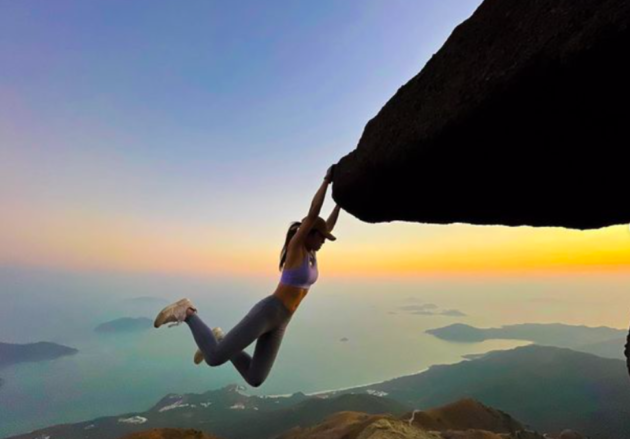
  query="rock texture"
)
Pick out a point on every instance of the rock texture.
point(466, 414)
point(170, 433)
point(570, 434)
point(464, 419)
point(519, 119)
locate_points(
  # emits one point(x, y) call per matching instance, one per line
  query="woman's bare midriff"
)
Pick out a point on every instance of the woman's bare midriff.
point(290, 295)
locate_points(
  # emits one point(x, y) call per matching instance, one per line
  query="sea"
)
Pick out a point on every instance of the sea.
point(346, 332)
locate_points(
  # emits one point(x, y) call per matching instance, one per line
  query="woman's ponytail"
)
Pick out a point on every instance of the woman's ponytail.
point(293, 228)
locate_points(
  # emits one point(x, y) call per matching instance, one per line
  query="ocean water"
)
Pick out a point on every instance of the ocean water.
point(115, 374)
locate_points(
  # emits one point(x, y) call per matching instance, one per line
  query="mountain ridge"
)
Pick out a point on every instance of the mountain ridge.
point(539, 386)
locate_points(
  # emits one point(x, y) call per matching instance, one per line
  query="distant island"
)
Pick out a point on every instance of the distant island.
point(430, 309)
point(32, 352)
point(602, 341)
point(125, 324)
point(151, 300)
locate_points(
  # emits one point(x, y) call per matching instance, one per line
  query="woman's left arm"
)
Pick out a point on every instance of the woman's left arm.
point(332, 219)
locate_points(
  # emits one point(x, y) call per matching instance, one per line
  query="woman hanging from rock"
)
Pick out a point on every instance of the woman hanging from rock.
point(267, 321)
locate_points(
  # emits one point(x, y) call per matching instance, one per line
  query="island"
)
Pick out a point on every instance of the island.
point(125, 324)
point(11, 353)
point(603, 341)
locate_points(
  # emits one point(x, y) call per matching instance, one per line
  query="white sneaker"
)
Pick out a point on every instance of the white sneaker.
point(175, 313)
point(219, 335)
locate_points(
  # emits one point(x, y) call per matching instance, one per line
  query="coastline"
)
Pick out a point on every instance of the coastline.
point(320, 392)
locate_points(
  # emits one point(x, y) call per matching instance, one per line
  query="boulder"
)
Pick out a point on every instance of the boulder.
point(519, 119)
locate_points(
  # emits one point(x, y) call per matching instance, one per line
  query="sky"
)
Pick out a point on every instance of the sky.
point(184, 137)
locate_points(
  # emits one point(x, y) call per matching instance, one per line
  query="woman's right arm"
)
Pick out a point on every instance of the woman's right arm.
point(316, 207)
point(318, 200)
point(320, 196)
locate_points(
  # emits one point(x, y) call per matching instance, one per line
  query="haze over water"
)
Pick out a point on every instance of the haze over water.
point(115, 374)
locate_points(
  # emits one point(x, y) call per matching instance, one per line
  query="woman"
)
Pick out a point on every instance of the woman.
point(268, 319)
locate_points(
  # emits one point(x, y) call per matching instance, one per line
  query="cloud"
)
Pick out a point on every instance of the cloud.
point(453, 313)
point(428, 309)
point(446, 312)
point(424, 313)
point(546, 300)
point(423, 307)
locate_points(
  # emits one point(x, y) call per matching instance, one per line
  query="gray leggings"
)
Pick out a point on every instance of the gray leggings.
point(266, 321)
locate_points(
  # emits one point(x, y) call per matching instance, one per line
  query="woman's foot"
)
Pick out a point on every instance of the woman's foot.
point(219, 335)
point(175, 313)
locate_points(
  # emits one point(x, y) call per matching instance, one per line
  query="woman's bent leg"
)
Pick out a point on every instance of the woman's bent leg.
point(265, 354)
point(267, 321)
point(252, 326)
point(256, 370)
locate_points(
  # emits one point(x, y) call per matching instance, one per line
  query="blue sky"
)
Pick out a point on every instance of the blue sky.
point(209, 93)
point(159, 135)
